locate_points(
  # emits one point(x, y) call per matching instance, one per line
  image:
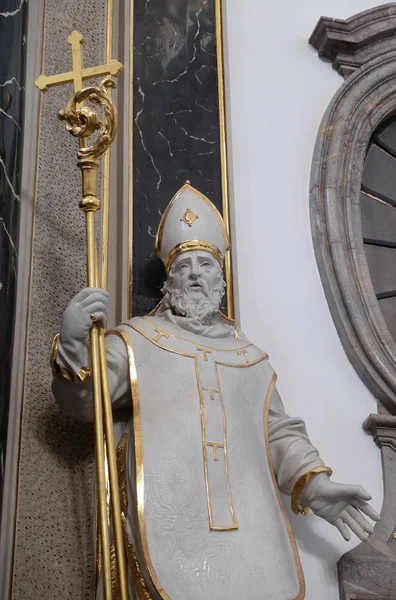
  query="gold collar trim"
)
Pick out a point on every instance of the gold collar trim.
point(196, 341)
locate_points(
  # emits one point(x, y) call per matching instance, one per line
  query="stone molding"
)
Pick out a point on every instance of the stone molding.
point(368, 571)
point(383, 430)
point(351, 43)
point(363, 50)
point(366, 99)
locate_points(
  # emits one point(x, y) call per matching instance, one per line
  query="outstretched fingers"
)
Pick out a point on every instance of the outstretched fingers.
point(360, 519)
point(366, 509)
point(354, 526)
point(343, 529)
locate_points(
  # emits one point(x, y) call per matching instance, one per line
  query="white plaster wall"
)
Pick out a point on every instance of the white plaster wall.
point(279, 90)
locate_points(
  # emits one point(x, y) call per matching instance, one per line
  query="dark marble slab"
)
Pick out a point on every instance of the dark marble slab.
point(13, 18)
point(176, 123)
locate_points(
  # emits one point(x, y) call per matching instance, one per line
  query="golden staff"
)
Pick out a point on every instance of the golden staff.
point(82, 121)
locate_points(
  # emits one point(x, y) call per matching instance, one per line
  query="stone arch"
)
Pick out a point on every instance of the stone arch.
point(365, 100)
point(362, 50)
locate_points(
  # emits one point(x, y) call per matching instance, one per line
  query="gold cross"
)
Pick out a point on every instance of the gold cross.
point(215, 448)
point(205, 353)
point(161, 333)
point(211, 392)
point(78, 74)
point(243, 353)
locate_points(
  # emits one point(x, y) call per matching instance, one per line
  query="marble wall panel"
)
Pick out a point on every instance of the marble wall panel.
point(13, 20)
point(176, 123)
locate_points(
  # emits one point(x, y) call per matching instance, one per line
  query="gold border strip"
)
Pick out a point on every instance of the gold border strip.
point(223, 154)
point(190, 245)
point(235, 523)
point(223, 364)
point(106, 162)
point(245, 365)
point(178, 337)
point(103, 283)
point(234, 526)
point(204, 446)
point(138, 441)
point(130, 159)
point(292, 539)
point(157, 343)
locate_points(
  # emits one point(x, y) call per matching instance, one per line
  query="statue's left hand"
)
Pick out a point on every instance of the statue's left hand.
point(344, 506)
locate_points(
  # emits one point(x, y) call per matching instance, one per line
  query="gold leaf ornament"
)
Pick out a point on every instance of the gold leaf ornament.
point(83, 121)
point(189, 217)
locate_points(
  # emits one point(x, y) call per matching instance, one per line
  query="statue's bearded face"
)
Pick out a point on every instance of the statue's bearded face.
point(195, 285)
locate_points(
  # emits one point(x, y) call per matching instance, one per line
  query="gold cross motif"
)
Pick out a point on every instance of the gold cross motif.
point(215, 448)
point(205, 353)
point(211, 392)
point(189, 217)
point(78, 74)
point(243, 353)
point(161, 333)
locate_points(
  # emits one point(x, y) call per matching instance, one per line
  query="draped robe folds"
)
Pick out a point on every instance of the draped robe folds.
point(208, 446)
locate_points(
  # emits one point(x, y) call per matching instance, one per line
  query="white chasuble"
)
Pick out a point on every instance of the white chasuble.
point(208, 431)
point(204, 513)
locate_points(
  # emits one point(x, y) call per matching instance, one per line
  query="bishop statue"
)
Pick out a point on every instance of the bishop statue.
point(208, 446)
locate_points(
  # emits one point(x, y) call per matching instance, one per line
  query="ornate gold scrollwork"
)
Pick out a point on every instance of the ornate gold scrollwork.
point(83, 121)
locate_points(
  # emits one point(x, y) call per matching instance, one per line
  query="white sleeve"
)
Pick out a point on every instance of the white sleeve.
point(292, 453)
point(76, 399)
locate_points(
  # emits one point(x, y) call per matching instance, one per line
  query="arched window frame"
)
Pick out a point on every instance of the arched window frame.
point(363, 49)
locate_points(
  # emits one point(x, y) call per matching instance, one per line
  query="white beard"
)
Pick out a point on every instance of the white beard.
point(200, 306)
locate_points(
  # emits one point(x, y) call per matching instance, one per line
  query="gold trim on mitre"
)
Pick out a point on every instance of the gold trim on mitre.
point(191, 244)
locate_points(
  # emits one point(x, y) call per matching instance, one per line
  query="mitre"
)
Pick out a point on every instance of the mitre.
point(191, 222)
